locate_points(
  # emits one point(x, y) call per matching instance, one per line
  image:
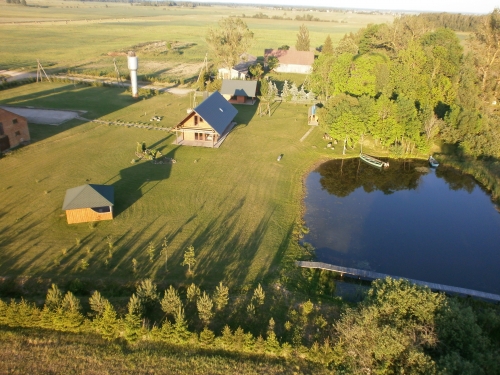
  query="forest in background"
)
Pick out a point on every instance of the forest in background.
point(409, 84)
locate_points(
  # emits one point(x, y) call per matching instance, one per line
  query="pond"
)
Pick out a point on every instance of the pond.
point(435, 225)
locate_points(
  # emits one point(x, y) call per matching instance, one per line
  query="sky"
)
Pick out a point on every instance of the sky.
point(457, 6)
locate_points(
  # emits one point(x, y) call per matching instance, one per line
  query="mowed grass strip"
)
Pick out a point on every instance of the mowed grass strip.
point(236, 205)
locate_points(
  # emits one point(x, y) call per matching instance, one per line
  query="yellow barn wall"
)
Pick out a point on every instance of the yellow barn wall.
point(85, 215)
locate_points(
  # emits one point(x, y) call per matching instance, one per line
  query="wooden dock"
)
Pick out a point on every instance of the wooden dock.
point(376, 275)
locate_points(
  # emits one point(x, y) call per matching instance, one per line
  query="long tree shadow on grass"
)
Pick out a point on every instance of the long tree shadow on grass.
point(135, 181)
point(228, 253)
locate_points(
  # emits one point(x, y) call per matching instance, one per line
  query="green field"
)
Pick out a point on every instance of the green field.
point(236, 205)
point(78, 36)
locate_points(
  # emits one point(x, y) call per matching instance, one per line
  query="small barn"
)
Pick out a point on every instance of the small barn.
point(239, 92)
point(208, 124)
point(13, 130)
point(291, 60)
point(88, 203)
point(240, 70)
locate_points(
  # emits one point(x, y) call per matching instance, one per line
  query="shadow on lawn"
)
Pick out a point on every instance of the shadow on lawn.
point(97, 101)
point(136, 181)
point(229, 251)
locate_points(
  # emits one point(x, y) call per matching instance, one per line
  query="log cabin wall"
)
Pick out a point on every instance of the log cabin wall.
point(85, 215)
point(194, 122)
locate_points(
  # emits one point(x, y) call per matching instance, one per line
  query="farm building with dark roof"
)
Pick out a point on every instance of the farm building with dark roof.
point(239, 92)
point(88, 203)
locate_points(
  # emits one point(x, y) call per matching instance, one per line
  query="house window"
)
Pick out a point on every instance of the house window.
point(18, 133)
point(195, 120)
point(14, 121)
point(1, 129)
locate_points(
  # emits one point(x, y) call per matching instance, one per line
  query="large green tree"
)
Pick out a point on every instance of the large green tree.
point(229, 40)
point(319, 81)
point(390, 332)
point(485, 43)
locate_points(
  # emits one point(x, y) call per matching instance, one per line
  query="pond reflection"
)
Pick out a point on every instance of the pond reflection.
point(408, 220)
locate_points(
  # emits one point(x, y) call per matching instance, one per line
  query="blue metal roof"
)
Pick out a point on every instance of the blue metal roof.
point(217, 112)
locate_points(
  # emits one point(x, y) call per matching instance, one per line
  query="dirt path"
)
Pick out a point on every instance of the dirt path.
point(13, 75)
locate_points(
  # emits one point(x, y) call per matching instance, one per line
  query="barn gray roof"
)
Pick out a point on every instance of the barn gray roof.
point(238, 87)
point(217, 112)
point(88, 196)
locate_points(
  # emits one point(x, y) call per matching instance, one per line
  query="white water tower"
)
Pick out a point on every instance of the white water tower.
point(133, 64)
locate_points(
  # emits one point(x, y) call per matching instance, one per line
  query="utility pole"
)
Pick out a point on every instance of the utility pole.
point(39, 71)
point(118, 77)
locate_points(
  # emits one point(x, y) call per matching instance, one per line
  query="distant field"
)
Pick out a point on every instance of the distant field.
point(237, 205)
point(78, 35)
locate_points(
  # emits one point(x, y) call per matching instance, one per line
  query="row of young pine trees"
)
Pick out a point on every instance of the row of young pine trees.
point(63, 312)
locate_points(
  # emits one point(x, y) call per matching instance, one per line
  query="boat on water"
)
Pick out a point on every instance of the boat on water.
point(373, 161)
point(433, 162)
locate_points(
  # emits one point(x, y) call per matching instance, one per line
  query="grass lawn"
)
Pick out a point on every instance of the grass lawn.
point(236, 205)
point(29, 351)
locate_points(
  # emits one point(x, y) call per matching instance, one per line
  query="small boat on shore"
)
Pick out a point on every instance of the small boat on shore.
point(373, 161)
point(433, 162)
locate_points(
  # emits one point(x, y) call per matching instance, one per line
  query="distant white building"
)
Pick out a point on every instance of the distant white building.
point(239, 71)
point(291, 61)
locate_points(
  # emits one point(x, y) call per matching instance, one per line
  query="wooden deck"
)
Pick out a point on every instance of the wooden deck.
point(375, 275)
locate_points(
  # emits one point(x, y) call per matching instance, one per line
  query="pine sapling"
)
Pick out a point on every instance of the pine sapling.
point(189, 258)
point(221, 296)
point(151, 251)
point(205, 305)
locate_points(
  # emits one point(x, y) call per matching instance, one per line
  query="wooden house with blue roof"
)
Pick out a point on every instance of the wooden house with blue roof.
point(208, 124)
point(88, 203)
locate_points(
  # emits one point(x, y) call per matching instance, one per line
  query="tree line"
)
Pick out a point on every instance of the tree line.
point(398, 327)
point(454, 21)
point(409, 83)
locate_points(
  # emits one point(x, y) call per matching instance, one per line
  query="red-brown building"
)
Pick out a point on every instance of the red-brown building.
point(291, 60)
point(13, 130)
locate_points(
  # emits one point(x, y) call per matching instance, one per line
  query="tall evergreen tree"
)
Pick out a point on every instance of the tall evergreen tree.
point(171, 301)
point(327, 46)
point(107, 324)
point(147, 294)
point(221, 296)
point(303, 42)
point(132, 319)
point(205, 305)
